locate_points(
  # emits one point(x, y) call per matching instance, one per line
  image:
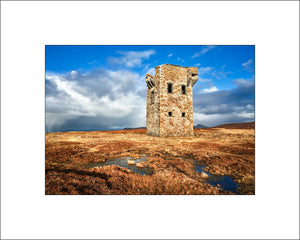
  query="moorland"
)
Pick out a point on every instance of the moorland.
point(216, 161)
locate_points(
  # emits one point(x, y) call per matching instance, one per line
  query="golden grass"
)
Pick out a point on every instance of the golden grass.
point(224, 152)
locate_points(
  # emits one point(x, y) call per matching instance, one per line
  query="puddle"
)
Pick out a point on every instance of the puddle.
point(225, 182)
point(199, 167)
point(122, 162)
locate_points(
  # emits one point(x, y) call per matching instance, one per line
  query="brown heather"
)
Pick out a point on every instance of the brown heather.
point(224, 151)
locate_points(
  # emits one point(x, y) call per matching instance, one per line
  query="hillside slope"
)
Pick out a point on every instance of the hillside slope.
point(247, 125)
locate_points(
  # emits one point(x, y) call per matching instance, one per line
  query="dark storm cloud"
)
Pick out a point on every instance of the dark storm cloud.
point(101, 99)
point(90, 123)
point(51, 88)
point(225, 106)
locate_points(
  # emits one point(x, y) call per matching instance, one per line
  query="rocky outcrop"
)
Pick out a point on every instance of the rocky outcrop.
point(204, 175)
point(140, 165)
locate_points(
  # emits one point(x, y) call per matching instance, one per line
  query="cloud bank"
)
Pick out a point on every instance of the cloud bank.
point(213, 107)
point(105, 99)
point(98, 100)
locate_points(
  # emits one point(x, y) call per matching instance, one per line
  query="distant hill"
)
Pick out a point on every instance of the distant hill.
point(200, 126)
point(134, 128)
point(196, 126)
point(246, 125)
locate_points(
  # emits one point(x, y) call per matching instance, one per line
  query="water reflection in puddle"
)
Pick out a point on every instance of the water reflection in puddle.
point(199, 167)
point(224, 182)
point(123, 162)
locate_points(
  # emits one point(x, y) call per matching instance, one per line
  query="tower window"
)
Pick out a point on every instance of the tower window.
point(183, 114)
point(152, 97)
point(183, 89)
point(170, 87)
point(170, 114)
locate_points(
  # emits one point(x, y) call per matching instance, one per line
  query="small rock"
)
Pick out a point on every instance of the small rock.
point(204, 175)
point(140, 165)
point(131, 162)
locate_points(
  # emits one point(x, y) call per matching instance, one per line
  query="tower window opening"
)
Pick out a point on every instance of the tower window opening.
point(170, 87)
point(183, 114)
point(170, 114)
point(183, 89)
point(152, 97)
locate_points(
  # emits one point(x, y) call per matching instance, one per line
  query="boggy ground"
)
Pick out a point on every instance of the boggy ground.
point(224, 151)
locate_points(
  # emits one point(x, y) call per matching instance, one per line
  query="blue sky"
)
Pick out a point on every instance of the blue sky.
point(103, 87)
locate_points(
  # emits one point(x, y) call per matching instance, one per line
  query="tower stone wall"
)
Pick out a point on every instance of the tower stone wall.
point(170, 100)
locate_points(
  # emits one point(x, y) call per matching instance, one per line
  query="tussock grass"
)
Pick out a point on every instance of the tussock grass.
point(224, 152)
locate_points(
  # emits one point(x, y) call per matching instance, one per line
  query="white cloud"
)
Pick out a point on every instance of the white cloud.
point(131, 58)
point(204, 70)
point(249, 62)
point(148, 69)
point(210, 90)
point(246, 115)
point(248, 65)
point(241, 82)
point(220, 75)
point(170, 55)
point(250, 107)
point(216, 74)
point(79, 99)
point(203, 51)
point(204, 80)
point(151, 71)
point(69, 88)
point(197, 64)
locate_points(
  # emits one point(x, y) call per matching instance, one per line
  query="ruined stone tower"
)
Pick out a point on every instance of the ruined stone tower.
point(170, 100)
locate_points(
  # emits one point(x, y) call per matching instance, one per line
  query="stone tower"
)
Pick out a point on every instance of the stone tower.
point(170, 100)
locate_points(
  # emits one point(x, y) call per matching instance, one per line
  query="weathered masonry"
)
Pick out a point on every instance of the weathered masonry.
point(170, 100)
